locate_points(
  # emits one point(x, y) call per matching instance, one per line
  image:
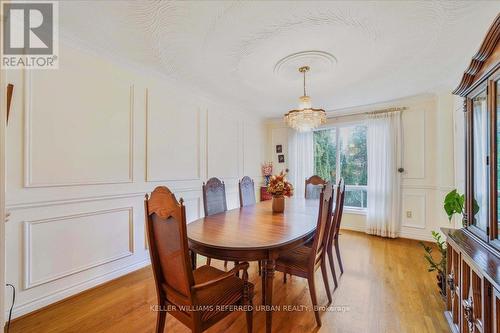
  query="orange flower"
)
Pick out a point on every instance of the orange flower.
point(279, 185)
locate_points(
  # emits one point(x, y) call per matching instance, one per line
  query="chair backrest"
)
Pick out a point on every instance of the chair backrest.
point(168, 246)
point(323, 225)
point(313, 187)
point(337, 214)
point(214, 196)
point(247, 191)
point(340, 204)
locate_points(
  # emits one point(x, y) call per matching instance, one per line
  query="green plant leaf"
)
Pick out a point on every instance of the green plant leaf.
point(453, 203)
point(439, 266)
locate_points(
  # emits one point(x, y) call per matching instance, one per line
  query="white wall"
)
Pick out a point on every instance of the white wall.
point(428, 159)
point(84, 144)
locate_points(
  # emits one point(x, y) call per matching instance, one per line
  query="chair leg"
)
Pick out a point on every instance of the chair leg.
point(160, 320)
point(248, 301)
point(312, 291)
point(284, 277)
point(337, 250)
point(209, 261)
point(325, 281)
point(193, 259)
point(260, 268)
point(249, 316)
point(225, 265)
point(332, 267)
point(238, 272)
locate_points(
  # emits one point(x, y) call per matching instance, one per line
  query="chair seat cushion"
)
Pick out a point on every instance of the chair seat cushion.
point(227, 292)
point(295, 259)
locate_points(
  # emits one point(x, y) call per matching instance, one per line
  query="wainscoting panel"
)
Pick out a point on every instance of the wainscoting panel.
point(224, 146)
point(193, 208)
point(253, 139)
point(173, 137)
point(414, 210)
point(79, 133)
point(414, 137)
point(57, 247)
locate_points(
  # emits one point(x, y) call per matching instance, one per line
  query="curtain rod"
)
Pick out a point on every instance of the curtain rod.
point(387, 110)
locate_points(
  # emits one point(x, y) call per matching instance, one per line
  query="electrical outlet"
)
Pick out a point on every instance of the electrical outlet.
point(409, 214)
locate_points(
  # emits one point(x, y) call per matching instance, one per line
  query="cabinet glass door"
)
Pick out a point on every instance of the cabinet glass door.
point(497, 111)
point(480, 163)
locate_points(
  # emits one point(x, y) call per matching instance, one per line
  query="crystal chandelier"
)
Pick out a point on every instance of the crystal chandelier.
point(305, 118)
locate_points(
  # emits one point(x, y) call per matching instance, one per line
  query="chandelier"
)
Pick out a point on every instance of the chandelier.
point(305, 118)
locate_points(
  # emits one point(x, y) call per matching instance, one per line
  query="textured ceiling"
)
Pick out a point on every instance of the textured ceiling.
point(384, 49)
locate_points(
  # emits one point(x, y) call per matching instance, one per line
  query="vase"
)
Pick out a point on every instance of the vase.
point(278, 204)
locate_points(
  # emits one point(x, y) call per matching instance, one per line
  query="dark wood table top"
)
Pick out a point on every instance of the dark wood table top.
point(256, 227)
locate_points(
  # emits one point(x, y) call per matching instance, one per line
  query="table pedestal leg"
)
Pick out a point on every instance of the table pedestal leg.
point(269, 273)
point(263, 281)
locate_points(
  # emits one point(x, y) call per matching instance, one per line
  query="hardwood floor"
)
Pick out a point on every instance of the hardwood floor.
point(385, 288)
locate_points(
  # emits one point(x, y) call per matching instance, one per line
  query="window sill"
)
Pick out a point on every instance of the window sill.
point(356, 211)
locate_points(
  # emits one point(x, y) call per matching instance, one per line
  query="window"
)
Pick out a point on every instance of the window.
point(341, 152)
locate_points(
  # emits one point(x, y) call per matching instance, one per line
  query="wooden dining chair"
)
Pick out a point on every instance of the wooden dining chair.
point(333, 237)
point(304, 261)
point(214, 200)
point(247, 191)
point(313, 187)
point(214, 196)
point(195, 297)
point(247, 198)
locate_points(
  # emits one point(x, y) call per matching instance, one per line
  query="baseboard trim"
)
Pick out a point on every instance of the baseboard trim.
point(353, 228)
point(419, 236)
point(40, 303)
point(422, 236)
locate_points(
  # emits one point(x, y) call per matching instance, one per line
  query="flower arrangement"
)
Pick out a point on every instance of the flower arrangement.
point(279, 186)
point(267, 171)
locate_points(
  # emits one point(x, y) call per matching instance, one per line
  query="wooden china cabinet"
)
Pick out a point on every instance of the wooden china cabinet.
point(473, 281)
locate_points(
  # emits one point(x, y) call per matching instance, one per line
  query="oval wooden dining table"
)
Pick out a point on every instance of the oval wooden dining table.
point(255, 233)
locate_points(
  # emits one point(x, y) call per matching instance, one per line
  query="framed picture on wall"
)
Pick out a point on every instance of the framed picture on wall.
point(279, 149)
point(281, 158)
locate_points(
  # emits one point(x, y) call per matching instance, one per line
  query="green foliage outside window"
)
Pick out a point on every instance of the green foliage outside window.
point(352, 159)
point(325, 154)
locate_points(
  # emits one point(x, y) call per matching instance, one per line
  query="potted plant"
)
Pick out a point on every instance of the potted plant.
point(454, 203)
point(438, 265)
point(279, 188)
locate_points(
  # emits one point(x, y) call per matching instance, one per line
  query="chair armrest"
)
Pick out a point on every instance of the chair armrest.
point(241, 266)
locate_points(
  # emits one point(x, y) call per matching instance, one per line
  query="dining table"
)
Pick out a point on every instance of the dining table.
point(255, 233)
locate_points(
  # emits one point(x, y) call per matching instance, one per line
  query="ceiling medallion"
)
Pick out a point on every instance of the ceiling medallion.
point(305, 118)
point(323, 63)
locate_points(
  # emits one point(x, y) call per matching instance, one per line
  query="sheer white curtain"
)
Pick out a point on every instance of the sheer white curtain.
point(481, 147)
point(384, 138)
point(300, 159)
